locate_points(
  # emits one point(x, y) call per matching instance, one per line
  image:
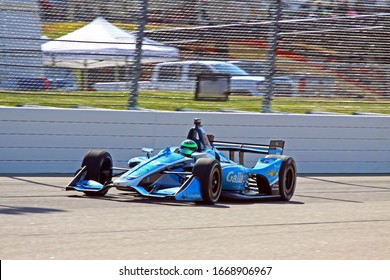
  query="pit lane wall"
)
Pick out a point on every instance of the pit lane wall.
point(45, 140)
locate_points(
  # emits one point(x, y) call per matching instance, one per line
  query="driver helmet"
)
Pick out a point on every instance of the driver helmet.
point(187, 147)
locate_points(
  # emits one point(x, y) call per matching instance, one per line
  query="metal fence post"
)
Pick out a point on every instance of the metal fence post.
point(275, 12)
point(136, 69)
point(387, 77)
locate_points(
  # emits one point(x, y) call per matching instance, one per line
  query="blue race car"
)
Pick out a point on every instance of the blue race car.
point(198, 170)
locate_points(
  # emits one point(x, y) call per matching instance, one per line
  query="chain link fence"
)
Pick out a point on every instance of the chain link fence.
point(279, 55)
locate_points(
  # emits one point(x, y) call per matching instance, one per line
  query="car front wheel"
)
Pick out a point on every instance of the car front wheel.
point(99, 168)
point(209, 173)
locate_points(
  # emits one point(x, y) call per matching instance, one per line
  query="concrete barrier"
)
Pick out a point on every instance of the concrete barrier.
point(46, 140)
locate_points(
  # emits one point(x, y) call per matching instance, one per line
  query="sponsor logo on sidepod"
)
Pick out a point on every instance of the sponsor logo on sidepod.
point(235, 178)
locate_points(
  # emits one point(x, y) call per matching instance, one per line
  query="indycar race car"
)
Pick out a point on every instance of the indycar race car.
point(198, 170)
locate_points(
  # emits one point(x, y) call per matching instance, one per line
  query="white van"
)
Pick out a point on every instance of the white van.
point(181, 76)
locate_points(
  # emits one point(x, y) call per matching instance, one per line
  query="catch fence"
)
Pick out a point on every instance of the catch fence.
point(290, 56)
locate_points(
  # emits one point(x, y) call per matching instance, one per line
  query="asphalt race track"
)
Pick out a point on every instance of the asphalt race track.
point(328, 218)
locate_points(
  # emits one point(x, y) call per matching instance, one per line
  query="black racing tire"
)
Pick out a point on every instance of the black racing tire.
point(287, 177)
point(99, 168)
point(209, 173)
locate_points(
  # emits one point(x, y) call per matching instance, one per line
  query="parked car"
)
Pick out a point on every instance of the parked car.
point(182, 75)
point(252, 67)
point(33, 84)
point(61, 79)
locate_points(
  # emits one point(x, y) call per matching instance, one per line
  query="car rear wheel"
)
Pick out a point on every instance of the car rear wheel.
point(209, 173)
point(287, 177)
point(99, 168)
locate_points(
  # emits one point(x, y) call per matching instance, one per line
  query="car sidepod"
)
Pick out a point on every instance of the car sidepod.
point(273, 177)
point(234, 177)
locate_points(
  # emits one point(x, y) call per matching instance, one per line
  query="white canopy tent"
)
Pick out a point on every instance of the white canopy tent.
point(102, 44)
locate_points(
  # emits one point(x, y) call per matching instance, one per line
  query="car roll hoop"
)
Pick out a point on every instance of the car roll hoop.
point(199, 136)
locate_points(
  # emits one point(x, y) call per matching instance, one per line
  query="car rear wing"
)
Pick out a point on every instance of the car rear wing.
point(275, 147)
